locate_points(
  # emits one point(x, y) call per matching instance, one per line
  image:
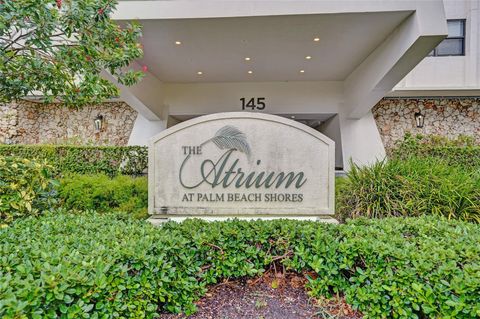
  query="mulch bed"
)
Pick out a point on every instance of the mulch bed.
point(272, 296)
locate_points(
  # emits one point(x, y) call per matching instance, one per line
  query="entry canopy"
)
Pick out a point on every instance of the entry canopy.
point(363, 47)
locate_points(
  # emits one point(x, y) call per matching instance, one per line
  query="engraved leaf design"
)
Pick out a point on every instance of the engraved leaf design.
point(229, 137)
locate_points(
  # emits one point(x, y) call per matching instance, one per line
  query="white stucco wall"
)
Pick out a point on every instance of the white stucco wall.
point(356, 139)
point(361, 141)
point(451, 72)
point(331, 128)
point(280, 97)
point(144, 129)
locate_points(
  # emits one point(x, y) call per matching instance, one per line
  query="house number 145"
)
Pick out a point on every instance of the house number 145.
point(253, 103)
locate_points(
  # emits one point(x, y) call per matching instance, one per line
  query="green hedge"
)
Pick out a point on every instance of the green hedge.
point(461, 151)
point(101, 193)
point(26, 188)
point(103, 266)
point(409, 187)
point(109, 160)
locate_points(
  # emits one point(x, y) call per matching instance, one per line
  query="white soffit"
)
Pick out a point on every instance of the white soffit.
point(367, 45)
point(276, 45)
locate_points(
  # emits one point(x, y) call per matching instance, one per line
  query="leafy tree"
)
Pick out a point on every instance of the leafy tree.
point(57, 49)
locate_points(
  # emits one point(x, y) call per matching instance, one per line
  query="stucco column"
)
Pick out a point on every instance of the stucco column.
point(144, 129)
point(361, 140)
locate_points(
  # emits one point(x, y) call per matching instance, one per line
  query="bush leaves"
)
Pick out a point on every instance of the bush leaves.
point(423, 267)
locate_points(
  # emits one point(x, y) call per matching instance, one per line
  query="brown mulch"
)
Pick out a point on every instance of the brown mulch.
point(272, 296)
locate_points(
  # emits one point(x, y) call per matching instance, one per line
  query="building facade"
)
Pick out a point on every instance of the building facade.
point(444, 86)
point(360, 72)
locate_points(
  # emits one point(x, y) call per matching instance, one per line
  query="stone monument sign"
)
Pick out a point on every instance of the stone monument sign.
point(241, 164)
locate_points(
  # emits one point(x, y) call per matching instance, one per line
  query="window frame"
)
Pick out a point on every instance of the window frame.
point(463, 38)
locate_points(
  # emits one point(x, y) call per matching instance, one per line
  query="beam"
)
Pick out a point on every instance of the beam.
point(146, 97)
point(390, 62)
point(152, 10)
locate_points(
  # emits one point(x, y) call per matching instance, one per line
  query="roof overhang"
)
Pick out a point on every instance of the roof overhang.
point(435, 92)
point(367, 46)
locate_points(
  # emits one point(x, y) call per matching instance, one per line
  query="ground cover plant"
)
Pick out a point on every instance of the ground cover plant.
point(424, 175)
point(412, 186)
point(461, 151)
point(92, 265)
point(26, 188)
point(104, 194)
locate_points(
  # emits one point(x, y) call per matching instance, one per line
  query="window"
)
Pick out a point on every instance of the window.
point(454, 43)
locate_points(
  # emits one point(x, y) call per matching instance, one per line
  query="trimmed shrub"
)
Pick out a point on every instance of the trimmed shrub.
point(102, 193)
point(410, 187)
point(462, 151)
point(399, 268)
point(26, 188)
point(109, 160)
point(102, 266)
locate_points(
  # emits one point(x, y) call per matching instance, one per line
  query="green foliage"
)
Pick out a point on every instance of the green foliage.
point(461, 151)
point(57, 49)
point(400, 268)
point(26, 188)
point(105, 266)
point(410, 187)
point(425, 175)
point(110, 160)
point(102, 193)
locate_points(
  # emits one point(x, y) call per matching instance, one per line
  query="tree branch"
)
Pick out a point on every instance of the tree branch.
point(21, 36)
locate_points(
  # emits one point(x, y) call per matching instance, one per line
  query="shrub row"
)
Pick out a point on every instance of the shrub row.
point(410, 187)
point(462, 151)
point(101, 193)
point(26, 188)
point(109, 160)
point(102, 266)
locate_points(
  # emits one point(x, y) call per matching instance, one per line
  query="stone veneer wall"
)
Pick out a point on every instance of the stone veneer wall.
point(449, 117)
point(33, 123)
point(27, 122)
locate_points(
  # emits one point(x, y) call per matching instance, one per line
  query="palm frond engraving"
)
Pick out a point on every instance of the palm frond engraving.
point(229, 137)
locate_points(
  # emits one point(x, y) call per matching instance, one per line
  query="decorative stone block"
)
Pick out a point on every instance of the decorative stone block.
point(448, 117)
point(241, 164)
point(27, 122)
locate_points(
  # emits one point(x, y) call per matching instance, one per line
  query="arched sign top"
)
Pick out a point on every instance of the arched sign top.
point(241, 164)
point(243, 115)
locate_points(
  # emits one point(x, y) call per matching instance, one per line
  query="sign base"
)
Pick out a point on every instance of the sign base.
point(158, 220)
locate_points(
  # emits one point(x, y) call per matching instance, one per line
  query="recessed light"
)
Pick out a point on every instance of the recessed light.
point(308, 57)
point(250, 72)
point(316, 39)
point(302, 71)
point(247, 59)
point(293, 116)
point(199, 72)
point(178, 42)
